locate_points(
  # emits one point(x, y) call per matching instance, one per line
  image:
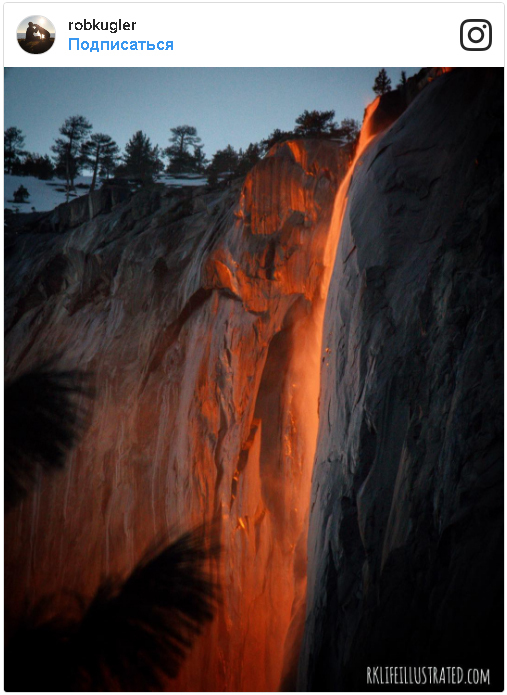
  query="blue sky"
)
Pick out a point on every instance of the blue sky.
point(227, 105)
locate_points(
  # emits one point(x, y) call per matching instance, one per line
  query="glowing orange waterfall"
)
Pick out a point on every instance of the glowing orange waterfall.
point(312, 359)
point(308, 356)
point(365, 137)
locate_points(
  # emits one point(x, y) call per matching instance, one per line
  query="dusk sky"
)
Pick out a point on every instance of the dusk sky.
point(227, 105)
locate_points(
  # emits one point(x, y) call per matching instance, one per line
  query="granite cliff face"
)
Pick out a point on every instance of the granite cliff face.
point(200, 315)
point(195, 313)
point(405, 540)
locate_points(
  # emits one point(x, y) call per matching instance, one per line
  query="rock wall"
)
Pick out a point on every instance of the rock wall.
point(406, 527)
point(195, 314)
point(199, 315)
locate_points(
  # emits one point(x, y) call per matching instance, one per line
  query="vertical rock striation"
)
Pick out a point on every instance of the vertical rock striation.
point(405, 539)
point(195, 313)
point(199, 314)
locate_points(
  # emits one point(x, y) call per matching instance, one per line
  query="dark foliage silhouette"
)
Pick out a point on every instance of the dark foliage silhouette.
point(45, 413)
point(132, 636)
point(14, 141)
point(21, 195)
point(312, 123)
point(136, 631)
point(181, 160)
point(100, 154)
point(223, 165)
point(34, 165)
point(276, 136)
point(141, 160)
point(382, 83)
point(68, 160)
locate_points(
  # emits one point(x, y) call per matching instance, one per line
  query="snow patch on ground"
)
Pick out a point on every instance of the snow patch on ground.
point(183, 180)
point(44, 195)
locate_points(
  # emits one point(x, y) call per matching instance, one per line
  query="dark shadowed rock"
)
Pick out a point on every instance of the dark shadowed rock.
point(406, 537)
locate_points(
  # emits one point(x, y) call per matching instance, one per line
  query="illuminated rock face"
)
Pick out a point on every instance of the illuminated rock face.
point(195, 312)
point(405, 537)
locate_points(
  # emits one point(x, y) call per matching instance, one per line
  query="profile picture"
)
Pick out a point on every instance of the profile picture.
point(36, 34)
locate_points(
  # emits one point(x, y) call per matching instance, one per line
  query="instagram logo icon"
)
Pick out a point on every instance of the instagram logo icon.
point(475, 35)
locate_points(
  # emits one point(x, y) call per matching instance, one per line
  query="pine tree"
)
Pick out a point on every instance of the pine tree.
point(403, 80)
point(21, 195)
point(200, 161)
point(97, 152)
point(141, 160)
point(108, 163)
point(276, 136)
point(181, 160)
point(382, 83)
point(348, 131)
point(223, 165)
point(68, 149)
point(249, 158)
point(66, 167)
point(315, 123)
point(36, 165)
point(14, 141)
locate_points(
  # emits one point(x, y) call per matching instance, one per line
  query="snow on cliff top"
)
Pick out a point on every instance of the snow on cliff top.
point(47, 195)
point(44, 195)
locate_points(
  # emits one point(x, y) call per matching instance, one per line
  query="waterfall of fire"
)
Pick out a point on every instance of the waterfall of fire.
point(309, 356)
point(311, 363)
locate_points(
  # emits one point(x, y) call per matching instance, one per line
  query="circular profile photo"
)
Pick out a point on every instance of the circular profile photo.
point(36, 34)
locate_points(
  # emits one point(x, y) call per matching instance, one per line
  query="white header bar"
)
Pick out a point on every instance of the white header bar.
point(263, 34)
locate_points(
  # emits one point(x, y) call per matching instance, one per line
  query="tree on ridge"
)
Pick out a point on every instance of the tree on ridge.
point(382, 83)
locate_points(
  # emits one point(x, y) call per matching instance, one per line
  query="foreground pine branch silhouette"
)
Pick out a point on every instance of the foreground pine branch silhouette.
point(132, 636)
point(45, 414)
point(135, 632)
